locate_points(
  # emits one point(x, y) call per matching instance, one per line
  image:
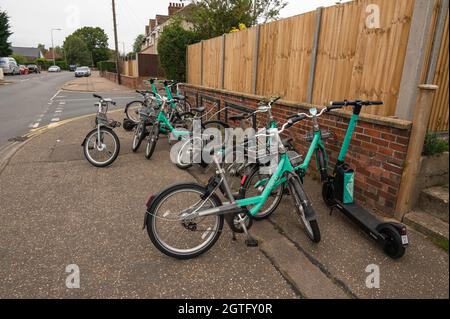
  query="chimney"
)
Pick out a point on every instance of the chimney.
point(174, 8)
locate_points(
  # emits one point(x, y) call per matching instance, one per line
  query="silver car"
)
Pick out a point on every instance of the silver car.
point(9, 66)
point(82, 71)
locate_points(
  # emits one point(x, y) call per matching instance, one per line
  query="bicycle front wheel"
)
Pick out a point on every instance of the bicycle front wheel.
point(299, 197)
point(152, 141)
point(172, 232)
point(139, 136)
point(101, 149)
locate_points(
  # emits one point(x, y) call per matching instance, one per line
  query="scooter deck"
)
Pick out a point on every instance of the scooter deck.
point(362, 217)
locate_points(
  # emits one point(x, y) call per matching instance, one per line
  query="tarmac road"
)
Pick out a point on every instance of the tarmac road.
point(35, 100)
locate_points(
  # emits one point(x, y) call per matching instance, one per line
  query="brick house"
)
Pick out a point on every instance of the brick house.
point(156, 26)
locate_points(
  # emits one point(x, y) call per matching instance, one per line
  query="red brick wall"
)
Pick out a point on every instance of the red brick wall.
point(377, 152)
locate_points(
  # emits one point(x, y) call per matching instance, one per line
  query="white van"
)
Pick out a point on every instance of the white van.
point(9, 66)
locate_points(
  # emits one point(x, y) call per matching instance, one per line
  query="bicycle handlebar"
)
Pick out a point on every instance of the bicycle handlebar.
point(338, 104)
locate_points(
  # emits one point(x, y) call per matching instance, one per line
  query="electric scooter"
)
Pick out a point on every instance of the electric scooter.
point(337, 192)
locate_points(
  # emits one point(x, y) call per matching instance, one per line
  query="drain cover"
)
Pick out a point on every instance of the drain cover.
point(18, 139)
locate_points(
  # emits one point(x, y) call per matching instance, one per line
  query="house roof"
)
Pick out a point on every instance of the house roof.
point(160, 19)
point(49, 55)
point(27, 52)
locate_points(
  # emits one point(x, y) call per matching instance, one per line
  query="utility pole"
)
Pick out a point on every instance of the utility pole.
point(119, 80)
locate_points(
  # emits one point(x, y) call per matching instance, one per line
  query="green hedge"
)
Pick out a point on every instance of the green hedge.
point(109, 66)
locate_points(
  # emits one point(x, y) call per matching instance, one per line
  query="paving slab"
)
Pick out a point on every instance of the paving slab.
point(59, 210)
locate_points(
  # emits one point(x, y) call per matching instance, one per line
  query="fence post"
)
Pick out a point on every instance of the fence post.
point(437, 40)
point(414, 59)
point(186, 54)
point(222, 66)
point(255, 61)
point(422, 112)
point(312, 67)
point(201, 63)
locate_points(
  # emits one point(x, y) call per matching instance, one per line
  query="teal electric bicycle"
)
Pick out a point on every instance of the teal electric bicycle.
point(185, 220)
point(337, 189)
point(177, 101)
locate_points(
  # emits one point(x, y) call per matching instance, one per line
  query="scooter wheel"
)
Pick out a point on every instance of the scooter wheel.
point(393, 246)
point(328, 194)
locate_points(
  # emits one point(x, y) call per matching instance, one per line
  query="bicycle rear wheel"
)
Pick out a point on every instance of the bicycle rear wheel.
point(132, 110)
point(174, 234)
point(254, 185)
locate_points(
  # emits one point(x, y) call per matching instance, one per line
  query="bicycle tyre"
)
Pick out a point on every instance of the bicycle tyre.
point(299, 197)
point(151, 221)
point(114, 155)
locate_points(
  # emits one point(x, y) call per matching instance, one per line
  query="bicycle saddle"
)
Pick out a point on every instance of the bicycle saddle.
point(199, 110)
point(179, 97)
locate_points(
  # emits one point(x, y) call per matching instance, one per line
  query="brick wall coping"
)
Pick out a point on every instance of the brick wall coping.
point(375, 119)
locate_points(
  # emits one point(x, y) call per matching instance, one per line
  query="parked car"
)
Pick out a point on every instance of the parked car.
point(9, 66)
point(72, 67)
point(33, 68)
point(83, 71)
point(54, 68)
point(23, 70)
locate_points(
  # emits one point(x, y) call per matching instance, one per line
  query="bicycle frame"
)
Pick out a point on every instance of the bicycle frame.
point(165, 127)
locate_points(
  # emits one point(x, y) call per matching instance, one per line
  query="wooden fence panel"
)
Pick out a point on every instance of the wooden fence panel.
point(194, 63)
point(440, 109)
point(357, 62)
point(284, 57)
point(212, 61)
point(239, 52)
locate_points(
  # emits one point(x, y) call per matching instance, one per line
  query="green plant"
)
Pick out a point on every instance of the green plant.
point(96, 41)
point(109, 66)
point(19, 59)
point(138, 43)
point(5, 33)
point(172, 46)
point(434, 145)
point(76, 50)
point(212, 18)
point(62, 64)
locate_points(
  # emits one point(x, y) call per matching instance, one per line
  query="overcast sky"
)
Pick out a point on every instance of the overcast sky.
point(31, 21)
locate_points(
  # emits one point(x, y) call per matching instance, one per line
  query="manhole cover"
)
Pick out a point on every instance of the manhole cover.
point(18, 139)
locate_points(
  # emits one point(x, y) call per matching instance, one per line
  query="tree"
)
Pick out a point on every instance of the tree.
point(96, 42)
point(76, 50)
point(19, 59)
point(211, 18)
point(5, 33)
point(42, 48)
point(138, 43)
point(172, 49)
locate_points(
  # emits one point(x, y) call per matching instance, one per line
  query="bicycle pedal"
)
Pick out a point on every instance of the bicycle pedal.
point(251, 242)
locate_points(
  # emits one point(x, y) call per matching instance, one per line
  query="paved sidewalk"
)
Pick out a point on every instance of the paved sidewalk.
point(58, 210)
point(94, 83)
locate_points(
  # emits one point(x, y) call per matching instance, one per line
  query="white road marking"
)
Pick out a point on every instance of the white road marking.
point(55, 119)
point(58, 111)
point(36, 125)
point(56, 94)
point(62, 103)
